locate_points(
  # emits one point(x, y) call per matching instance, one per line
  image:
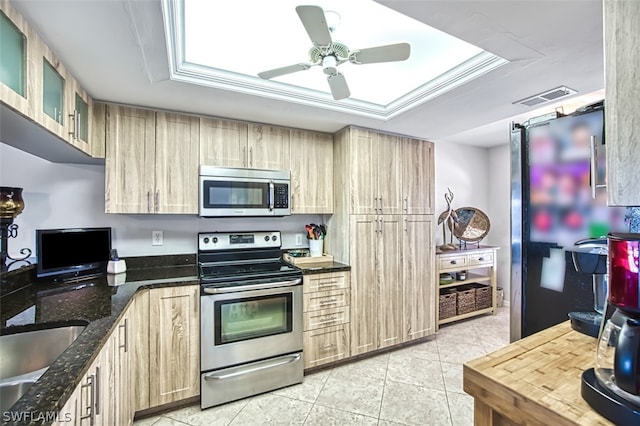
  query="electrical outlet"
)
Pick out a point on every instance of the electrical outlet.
point(298, 239)
point(157, 238)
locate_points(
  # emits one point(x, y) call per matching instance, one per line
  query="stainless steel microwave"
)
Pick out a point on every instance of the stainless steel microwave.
point(226, 192)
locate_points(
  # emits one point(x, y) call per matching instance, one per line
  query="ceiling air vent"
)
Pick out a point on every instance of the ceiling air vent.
point(549, 95)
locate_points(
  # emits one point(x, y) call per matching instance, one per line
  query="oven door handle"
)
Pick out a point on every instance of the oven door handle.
point(220, 290)
point(242, 371)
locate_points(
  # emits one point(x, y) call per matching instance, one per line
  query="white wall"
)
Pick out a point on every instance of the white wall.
point(499, 163)
point(70, 195)
point(464, 169)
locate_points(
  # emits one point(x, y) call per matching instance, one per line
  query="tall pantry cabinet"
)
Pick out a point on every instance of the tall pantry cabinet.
point(382, 226)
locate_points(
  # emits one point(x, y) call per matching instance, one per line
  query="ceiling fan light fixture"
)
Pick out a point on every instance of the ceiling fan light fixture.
point(329, 65)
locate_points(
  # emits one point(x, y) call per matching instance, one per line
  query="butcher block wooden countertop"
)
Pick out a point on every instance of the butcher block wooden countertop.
point(535, 380)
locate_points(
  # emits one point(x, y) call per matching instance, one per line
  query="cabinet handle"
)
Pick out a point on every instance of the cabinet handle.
point(327, 347)
point(328, 319)
point(381, 224)
point(97, 391)
point(73, 132)
point(157, 202)
point(480, 259)
point(251, 157)
point(375, 204)
point(406, 204)
point(328, 302)
point(594, 168)
point(328, 283)
point(89, 409)
point(126, 338)
point(406, 225)
point(149, 201)
point(453, 262)
point(380, 204)
point(293, 202)
point(244, 156)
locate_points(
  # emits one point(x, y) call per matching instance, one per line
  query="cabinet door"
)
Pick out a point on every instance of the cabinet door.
point(16, 53)
point(51, 110)
point(125, 390)
point(324, 345)
point(311, 172)
point(364, 172)
point(417, 177)
point(268, 147)
point(79, 122)
point(388, 170)
point(69, 415)
point(223, 143)
point(622, 130)
point(418, 260)
point(390, 279)
point(140, 350)
point(176, 165)
point(130, 159)
point(364, 306)
point(174, 341)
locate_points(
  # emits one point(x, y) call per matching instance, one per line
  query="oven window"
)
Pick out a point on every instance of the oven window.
point(229, 194)
point(253, 317)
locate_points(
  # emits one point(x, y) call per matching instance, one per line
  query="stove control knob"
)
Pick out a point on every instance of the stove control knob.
point(206, 240)
point(266, 238)
point(215, 240)
point(274, 238)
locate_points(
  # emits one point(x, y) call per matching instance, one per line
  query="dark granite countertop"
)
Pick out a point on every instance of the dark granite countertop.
point(95, 302)
point(324, 269)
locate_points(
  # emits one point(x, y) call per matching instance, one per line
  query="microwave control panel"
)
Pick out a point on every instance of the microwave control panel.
point(281, 199)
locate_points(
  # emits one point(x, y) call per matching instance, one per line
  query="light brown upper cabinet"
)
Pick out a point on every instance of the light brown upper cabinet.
point(37, 85)
point(622, 108)
point(376, 173)
point(223, 143)
point(268, 147)
point(229, 143)
point(16, 59)
point(311, 172)
point(151, 161)
point(417, 177)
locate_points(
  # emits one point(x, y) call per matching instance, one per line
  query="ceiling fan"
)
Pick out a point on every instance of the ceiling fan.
point(330, 54)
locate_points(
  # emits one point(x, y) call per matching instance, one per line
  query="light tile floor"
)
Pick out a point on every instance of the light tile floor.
point(417, 385)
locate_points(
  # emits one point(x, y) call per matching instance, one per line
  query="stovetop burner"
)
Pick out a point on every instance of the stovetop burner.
point(227, 258)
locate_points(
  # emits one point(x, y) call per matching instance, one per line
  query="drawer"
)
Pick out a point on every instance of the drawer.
point(324, 282)
point(325, 345)
point(481, 258)
point(325, 318)
point(326, 299)
point(453, 262)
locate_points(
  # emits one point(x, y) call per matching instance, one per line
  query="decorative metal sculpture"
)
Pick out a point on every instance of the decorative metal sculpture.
point(11, 205)
point(448, 219)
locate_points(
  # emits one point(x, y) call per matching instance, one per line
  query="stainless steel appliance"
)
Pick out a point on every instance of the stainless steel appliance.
point(613, 387)
point(225, 191)
point(558, 198)
point(251, 316)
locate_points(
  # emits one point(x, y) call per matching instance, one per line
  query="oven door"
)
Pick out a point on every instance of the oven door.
point(249, 322)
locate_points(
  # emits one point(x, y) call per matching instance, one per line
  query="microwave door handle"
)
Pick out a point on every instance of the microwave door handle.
point(272, 195)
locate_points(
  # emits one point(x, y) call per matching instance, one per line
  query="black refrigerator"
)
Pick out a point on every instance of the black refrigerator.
point(558, 197)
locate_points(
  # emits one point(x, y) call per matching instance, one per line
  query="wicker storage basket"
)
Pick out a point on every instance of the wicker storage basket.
point(447, 303)
point(466, 300)
point(483, 297)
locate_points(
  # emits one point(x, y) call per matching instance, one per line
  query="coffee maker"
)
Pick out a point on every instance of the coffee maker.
point(612, 388)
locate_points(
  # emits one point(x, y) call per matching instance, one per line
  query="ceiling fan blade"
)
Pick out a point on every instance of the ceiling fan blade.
point(338, 85)
point(315, 23)
point(283, 70)
point(388, 53)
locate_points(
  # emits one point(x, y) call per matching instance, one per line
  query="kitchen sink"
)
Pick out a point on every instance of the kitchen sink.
point(25, 356)
point(11, 392)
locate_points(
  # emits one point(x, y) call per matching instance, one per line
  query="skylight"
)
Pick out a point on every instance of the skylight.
point(225, 44)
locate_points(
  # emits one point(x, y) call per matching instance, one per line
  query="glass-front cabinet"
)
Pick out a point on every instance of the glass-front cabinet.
point(53, 85)
point(15, 45)
point(78, 112)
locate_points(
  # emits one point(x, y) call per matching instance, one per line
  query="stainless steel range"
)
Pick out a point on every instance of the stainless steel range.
point(251, 316)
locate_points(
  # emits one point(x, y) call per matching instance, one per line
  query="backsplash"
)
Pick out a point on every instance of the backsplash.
point(633, 218)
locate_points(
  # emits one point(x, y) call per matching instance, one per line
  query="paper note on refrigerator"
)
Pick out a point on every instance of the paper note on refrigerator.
point(552, 277)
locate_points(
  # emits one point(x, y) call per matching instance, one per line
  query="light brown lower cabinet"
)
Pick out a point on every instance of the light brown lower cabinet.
point(151, 357)
point(174, 344)
point(326, 317)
